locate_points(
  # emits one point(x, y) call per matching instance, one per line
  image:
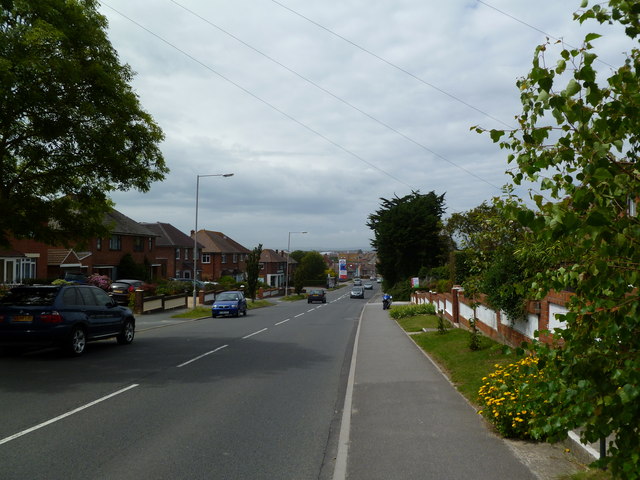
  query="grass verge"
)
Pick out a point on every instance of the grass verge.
point(417, 323)
point(465, 367)
point(205, 311)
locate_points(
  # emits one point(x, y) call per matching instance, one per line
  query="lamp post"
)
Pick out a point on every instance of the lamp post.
point(286, 275)
point(195, 232)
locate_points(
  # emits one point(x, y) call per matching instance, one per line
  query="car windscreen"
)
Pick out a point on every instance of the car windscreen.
point(226, 297)
point(35, 297)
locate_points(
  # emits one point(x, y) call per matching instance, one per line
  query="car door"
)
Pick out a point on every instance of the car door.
point(103, 318)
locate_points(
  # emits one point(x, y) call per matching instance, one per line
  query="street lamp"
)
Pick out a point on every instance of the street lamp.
point(195, 232)
point(286, 275)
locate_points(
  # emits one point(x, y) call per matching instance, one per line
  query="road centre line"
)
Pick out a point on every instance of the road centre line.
point(201, 356)
point(283, 321)
point(298, 315)
point(254, 333)
point(65, 415)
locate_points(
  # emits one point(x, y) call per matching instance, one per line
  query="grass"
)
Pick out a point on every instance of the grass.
point(591, 474)
point(465, 367)
point(417, 323)
point(205, 311)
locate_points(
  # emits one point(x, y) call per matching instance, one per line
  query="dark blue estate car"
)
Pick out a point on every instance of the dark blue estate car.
point(230, 303)
point(67, 316)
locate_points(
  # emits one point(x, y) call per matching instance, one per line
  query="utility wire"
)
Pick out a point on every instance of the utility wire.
point(391, 64)
point(371, 117)
point(250, 93)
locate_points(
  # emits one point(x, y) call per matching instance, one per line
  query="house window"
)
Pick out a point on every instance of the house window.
point(186, 254)
point(138, 244)
point(235, 258)
point(261, 266)
point(150, 243)
point(98, 244)
point(115, 242)
point(177, 254)
point(223, 258)
point(206, 258)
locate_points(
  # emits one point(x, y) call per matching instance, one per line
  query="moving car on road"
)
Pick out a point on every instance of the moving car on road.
point(357, 292)
point(230, 303)
point(316, 295)
point(67, 316)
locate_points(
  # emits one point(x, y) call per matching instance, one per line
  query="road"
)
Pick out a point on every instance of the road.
point(252, 397)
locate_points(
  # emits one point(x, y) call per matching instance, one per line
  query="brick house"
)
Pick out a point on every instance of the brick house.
point(272, 267)
point(173, 251)
point(28, 259)
point(221, 256)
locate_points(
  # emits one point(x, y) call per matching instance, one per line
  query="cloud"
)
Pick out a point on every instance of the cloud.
point(375, 98)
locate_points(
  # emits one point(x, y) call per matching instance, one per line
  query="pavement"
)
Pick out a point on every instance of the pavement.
point(403, 418)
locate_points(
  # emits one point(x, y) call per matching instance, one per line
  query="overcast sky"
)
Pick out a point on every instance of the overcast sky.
point(320, 108)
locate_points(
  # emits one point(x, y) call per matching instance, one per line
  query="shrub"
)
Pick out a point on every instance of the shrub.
point(101, 281)
point(510, 399)
point(404, 311)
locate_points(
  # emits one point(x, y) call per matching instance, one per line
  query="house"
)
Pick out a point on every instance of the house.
point(221, 256)
point(173, 251)
point(272, 267)
point(28, 259)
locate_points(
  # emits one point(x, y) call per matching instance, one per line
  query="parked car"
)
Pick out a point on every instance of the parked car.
point(357, 292)
point(316, 295)
point(121, 289)
point(231, 303)
point(67, 316)
point(368, 286)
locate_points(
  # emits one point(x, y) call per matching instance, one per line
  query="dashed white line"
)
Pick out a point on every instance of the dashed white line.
point(299, 315)
point(283, 321)
point(254, 333)
point(65, 415)
point(202, 356)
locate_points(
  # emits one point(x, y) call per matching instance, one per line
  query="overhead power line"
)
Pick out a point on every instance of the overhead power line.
point(328, 92)
point(250, 93)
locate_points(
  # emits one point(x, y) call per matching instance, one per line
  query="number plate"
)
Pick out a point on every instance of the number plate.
point(23, 318)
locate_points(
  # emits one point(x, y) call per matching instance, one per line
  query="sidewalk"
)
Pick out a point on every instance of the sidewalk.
point(408, 422)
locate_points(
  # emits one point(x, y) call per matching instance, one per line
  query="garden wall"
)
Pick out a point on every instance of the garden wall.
point(542, 315)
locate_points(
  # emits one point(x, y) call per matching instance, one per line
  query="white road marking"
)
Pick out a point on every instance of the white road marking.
point(299, 315)
point(254, 333)
point(202, 356)
point(65, 415)
point(283, 321)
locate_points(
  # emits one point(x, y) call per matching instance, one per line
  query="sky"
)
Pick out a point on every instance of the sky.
point(321, 109)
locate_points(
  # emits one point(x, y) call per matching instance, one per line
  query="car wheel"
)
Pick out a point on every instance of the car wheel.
point(244, 312)
point(128, 332)
point(308, 301)
point(76, 342)
point(213, 315)
point(324, 300)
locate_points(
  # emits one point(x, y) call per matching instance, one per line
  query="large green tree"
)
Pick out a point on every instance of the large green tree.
point(71, 128)
point(253, 271)
point(579, 137)
point(311, 270)
point(407, 235)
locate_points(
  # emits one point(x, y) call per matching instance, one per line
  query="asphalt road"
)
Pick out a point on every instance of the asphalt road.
point(255, 397)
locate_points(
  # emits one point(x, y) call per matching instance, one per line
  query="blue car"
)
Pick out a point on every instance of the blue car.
point(229, 303)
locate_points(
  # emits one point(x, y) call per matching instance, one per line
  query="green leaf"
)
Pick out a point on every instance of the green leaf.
point(573, 87)
point(591, 36)
point(496, 134)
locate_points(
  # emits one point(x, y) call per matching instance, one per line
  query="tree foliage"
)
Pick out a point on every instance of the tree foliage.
point(253, 271)
point(586, 161)
point(312, 270)
point(71, 128)
point(407, 235)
